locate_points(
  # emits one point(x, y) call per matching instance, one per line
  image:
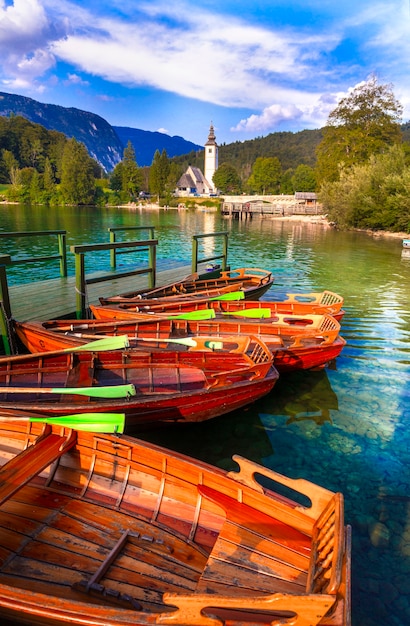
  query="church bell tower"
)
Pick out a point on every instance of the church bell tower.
point(211, 157)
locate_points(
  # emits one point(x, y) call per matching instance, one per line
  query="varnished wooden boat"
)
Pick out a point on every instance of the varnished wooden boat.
point(295, 342)
point(320, 303)
point(171, 386)
point(252, 282)
point(108, 530)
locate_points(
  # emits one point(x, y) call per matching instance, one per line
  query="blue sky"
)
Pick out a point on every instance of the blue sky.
point(252, 68)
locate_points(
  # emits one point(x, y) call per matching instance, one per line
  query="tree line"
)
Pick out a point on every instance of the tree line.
point(358, 164)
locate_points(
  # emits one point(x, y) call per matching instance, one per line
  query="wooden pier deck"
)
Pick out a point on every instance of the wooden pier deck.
point(56, 298)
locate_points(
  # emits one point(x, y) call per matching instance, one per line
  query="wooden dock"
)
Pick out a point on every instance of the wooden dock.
point(56, 298)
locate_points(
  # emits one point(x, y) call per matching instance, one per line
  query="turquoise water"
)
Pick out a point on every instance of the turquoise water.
point(345, 427)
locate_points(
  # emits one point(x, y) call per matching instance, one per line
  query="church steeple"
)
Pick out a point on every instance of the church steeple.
point(211, 157)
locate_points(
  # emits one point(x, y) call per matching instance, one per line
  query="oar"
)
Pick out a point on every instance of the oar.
point(184, 341)
point(108, 343)
point(92, 422)
point(112, 391)
point(200, 314)
point(231, 295)
point(257, 313)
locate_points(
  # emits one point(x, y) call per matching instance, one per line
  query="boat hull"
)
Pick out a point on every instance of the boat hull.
point(252, 283)
point(221, 308)
point(116, 531)
point(171, 387)
point(291, 349)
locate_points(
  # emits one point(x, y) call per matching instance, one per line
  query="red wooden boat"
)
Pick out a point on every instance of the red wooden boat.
point(167, 386)
point(252, 282)
point(107, 530)
point(295, 342)
point(321, 303)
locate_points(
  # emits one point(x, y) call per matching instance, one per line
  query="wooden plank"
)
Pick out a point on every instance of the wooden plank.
point(32, 461)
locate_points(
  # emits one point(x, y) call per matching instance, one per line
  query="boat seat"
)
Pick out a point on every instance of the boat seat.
point(289, 561)
point(292, 582)
point(282, 553)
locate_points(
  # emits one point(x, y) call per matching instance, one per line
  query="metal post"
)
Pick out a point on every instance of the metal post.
point(194, 266)
point(62, 248)
point(80, 285)
point(5, 309)
point(113, 257)
point(225, 252)
point(152, 262)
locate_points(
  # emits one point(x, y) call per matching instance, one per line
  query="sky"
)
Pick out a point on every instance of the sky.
point(248, 67)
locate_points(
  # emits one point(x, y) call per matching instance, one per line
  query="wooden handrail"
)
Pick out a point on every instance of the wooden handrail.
point(81, 281)
point(115, 229)
point(62, 247)
point(223, 256)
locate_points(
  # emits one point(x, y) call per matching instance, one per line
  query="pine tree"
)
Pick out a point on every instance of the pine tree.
point(131, 175)
point(77, 174)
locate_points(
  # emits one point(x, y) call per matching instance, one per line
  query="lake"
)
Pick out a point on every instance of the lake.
point(344, 427)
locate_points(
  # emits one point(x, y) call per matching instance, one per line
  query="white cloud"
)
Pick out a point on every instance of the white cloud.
point(23, 27)
point(277, 71)
point(163, 130)
point(269, 118)
point(74, 79)
point(236, 64)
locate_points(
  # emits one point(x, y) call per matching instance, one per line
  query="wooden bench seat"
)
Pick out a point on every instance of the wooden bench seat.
point(296, 572)
point(248, 538)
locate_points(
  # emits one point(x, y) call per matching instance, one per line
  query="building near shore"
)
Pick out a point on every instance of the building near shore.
point(196, 183)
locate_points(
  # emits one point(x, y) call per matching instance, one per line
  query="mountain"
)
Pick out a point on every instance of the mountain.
point(93, 131)
point(104, 142)
point(146, 142)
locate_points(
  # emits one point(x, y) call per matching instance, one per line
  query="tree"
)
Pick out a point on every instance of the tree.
point(130, 173)
point(77, 179)
point(159, 172)
point(227, 179)
point(12, 167)
point(373, 195)
point(266, 175)
point(365, 122)
point(304, 178)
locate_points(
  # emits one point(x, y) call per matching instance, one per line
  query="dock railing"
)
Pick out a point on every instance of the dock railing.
point(113, 230)
point(61, 242)
point(81, 281)
point(195, 250)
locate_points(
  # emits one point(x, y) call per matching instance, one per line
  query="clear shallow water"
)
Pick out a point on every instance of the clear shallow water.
point(345, 427)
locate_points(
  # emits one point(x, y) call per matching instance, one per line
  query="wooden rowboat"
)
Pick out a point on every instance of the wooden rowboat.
point(295, 342)
point(320, 303)
point(108, 530)
point(167, 386)
point(252, 282)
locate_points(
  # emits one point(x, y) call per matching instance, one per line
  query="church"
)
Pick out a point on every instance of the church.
point(195, 183)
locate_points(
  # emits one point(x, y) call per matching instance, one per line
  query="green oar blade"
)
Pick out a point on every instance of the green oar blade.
point(108, 343)
point(232, 295)
point(256, 313)
point(200, 314)
point(91, 422)
point(111, 391)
